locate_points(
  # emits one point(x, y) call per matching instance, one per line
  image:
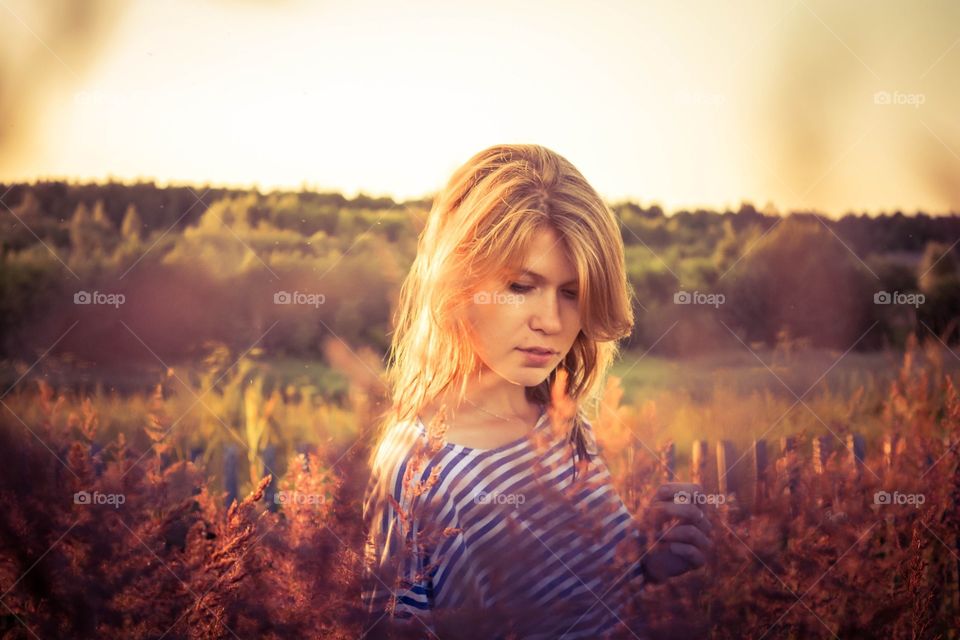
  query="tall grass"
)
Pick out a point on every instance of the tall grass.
point(173, 561)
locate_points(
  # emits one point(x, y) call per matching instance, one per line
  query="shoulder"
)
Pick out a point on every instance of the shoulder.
point(393, 450)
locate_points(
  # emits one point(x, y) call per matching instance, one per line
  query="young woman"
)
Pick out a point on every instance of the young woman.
point(489, 509)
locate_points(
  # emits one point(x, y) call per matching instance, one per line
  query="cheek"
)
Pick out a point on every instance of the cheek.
point(572, 321)
point(504, 320)
point(492, 323)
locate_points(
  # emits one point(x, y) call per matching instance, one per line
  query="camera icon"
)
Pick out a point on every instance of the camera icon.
point(881, 497)
point(681, 497)
point(82, 297)
point(882, 97)
point(282, 297)
point(682, 297)
point(481, 297)
point(81, 497)
point(882, 297)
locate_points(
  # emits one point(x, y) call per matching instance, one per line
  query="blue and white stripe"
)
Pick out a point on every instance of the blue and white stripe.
point(568, 575)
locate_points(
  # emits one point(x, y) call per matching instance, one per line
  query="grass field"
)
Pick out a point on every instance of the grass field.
point(862, 569)
point(291, 403)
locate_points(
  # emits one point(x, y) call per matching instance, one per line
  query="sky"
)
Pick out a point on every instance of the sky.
point(786, 104)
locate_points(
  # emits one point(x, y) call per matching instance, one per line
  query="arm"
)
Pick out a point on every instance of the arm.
point(396, 595)
point(599, 472)
point(685, 545)
point(396, 592)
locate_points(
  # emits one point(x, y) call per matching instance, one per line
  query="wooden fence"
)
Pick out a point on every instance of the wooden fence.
point(750, 475)
point(723, 469)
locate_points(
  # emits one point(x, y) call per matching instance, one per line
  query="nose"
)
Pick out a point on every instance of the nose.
point(546, 314)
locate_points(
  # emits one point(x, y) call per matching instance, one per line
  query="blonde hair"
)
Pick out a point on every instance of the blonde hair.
point(481, 225)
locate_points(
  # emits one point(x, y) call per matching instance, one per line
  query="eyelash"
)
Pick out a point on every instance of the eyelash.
point(519, 288)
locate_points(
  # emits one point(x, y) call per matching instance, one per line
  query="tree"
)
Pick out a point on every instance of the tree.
point(92, 233)
point(940, 284)
point(18, 230)
point(132, 224)
point(800, 279)
point(938, 263)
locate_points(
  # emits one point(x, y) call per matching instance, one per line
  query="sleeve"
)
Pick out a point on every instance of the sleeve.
point(600, 473)
point(397, 591)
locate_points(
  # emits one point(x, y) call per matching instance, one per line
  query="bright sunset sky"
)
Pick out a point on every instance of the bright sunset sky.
point(681, 103)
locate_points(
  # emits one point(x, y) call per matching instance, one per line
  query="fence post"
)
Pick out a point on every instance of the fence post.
point(857, 448)
point(893, 446)
point(760, 463)
point(725, 484)
point(788, 451)
point(821, 451)
point(787, 443)
point(668, 457)
point(698, 463)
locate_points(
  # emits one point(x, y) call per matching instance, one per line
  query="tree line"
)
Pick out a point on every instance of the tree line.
point(198, 266)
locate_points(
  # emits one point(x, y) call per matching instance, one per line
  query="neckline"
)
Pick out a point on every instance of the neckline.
point(504, 447)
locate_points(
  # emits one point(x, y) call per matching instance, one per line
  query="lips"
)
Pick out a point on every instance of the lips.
point(538, 351)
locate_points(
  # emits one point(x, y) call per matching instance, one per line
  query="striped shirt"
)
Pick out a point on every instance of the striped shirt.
point(518, 531)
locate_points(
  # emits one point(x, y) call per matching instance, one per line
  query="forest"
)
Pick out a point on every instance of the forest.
point(214, 259)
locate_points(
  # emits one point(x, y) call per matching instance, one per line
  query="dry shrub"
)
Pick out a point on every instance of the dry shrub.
point(819, 559)
point(168, 559)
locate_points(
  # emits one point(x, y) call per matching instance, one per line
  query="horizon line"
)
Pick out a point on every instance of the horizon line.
point(306, 187)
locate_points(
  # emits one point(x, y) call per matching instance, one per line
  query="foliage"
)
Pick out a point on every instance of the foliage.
point(820, 560)
point(170, 560)
point(225, 253)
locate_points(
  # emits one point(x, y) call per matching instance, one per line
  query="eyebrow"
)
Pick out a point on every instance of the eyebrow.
point(539, 278)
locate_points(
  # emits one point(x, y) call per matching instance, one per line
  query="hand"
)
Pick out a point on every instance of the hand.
point(686, 543)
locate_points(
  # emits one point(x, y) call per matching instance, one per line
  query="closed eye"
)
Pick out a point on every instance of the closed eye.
point(519, 288)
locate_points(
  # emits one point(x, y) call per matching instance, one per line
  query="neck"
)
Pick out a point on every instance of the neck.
point(490, 393)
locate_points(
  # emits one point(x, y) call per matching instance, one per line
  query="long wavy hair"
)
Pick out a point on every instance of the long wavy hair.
point(481, 225)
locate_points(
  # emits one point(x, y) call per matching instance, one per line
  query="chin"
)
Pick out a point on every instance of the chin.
point(530, 377)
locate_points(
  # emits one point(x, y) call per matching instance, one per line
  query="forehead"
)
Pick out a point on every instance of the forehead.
point(547, 260)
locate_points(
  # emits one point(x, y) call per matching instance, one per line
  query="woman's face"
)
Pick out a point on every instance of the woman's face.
point(534, 309)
